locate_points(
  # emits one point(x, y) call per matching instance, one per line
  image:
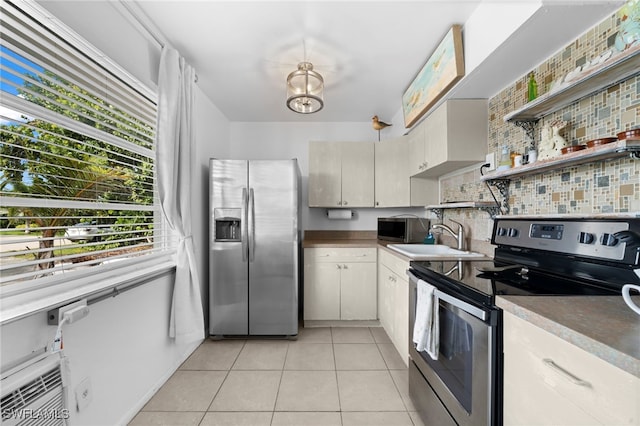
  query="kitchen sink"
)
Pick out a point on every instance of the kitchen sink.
point(433, 251)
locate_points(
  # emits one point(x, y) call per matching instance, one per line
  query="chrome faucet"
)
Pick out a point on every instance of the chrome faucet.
point(459, 236)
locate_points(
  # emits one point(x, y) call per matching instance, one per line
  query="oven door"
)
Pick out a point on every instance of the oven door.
point(464, 376)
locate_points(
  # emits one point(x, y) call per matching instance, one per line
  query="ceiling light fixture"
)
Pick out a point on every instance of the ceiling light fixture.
point(304, 90)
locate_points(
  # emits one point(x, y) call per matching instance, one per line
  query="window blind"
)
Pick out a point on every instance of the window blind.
point(77, 176)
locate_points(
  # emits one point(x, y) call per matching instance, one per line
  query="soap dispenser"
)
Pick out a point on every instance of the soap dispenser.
point(429, 239)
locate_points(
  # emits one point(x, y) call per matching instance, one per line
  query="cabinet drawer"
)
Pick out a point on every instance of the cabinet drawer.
point(395, 263)
point(530, 400)
point(603, 391)
point(356, 254)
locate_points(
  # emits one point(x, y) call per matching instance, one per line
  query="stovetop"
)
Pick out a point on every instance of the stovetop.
point(496, 278)
point(544, 257)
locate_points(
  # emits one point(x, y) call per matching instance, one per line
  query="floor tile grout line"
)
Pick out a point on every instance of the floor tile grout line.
point(275, 401)
point(335, 372)
point(282, 369)
point(244, 342)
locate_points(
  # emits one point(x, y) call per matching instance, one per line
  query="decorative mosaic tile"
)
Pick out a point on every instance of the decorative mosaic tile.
point(601, 187)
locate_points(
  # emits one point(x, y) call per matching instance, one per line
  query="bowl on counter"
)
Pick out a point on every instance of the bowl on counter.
point(572, 148)
point(630, 135)
point(601, 141)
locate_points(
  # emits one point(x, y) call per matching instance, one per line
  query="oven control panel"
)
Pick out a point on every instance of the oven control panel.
point(594, 238)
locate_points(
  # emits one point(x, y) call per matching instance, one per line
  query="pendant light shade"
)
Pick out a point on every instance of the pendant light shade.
point(304, 90)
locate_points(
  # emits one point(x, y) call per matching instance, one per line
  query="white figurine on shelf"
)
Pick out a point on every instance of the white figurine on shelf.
point(551, 143)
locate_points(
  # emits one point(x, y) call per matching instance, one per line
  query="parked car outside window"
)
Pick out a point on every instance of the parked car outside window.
point(86, 231)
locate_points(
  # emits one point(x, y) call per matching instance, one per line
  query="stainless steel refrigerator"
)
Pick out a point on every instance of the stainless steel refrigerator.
point(254, 247)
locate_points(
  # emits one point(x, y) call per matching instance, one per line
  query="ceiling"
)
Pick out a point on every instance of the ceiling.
point(367, 51)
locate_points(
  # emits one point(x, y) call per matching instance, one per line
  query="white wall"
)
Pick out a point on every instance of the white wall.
point(211, 140)
point(123, 345)
point(265, 141)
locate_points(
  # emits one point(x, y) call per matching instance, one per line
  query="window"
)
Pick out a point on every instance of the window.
point(77, 133)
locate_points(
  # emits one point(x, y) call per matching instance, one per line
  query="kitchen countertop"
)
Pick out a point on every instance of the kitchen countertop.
point(339, 239)
point(601, 325)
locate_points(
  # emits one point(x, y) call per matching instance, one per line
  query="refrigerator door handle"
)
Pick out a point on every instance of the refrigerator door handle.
point(243, 224)
point(252, 227)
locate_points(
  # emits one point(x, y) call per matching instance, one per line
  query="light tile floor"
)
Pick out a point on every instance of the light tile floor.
point(342, 376)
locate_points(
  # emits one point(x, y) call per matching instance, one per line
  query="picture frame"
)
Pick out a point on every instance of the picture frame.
point(437, 76)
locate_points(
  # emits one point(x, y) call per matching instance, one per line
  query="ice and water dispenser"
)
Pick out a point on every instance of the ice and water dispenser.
point(227, 225)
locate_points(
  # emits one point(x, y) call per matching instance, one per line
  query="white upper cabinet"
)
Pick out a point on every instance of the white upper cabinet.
point(451, 137)
point(341, 174)
point(325, 174)
point(358, 174)
point(367, 174)
point(395, 186)
point(417, 162)
point(392, 179)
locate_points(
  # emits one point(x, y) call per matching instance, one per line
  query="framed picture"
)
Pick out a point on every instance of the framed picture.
point(443, 69)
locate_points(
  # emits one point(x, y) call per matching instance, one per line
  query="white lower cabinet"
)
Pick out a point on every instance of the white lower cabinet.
point(549, 381)
point(393, 300)
point(340, 284)
point(321, 291)
point(358, 295)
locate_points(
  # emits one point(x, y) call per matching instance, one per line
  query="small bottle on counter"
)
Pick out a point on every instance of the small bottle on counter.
point(505, 159)
point(512, 158)
point(517, 160)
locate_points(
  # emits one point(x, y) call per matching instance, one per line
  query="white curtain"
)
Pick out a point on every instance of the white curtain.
point(174, 163)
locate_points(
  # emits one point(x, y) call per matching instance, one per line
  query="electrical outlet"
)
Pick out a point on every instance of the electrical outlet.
point(491, 160)
point(84, 394)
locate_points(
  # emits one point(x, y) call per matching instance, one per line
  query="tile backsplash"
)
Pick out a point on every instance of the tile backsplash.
point(601, 187)
point(611, 186)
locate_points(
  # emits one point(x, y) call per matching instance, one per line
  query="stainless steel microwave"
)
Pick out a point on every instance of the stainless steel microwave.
point(403, 229)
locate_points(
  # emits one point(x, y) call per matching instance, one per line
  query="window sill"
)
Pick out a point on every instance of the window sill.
point(15, 305)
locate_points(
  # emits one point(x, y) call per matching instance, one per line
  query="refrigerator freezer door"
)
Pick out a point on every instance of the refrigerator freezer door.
point(273, 268)
point(229, 278)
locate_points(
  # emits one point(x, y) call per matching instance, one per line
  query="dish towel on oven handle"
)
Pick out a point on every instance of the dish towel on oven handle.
point(426, 329)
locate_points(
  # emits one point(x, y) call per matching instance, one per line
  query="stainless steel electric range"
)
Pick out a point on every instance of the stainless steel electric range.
point(534, 257)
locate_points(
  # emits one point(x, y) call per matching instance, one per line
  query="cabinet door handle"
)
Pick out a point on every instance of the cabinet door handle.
point(339, 267)
point(345, 267)
point(573, 379)
point(344, 203)
point(339, 203)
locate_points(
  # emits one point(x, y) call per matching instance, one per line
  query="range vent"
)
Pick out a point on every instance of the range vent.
point(33, 394)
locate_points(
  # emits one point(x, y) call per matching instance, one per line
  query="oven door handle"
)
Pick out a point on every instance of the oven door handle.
point(468, 308)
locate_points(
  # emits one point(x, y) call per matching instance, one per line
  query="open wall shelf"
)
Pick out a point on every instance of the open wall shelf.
point(601, 152)
point(502, 179)
point(594, 79)
point(488, 206)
